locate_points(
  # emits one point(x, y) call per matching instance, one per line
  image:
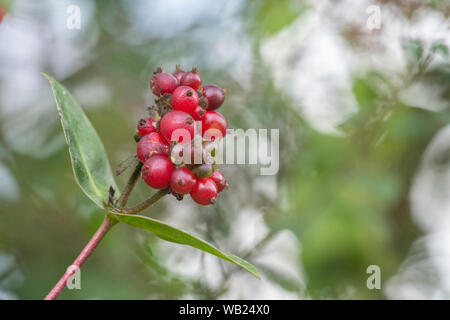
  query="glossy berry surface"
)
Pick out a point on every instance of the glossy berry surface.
point(219, 180)
point(198, 113)
point(179, 73)
point(157, 171)
point(174, 120)
point(191, 79)
point(204, 192)
point(185, 99)
point(146, 126)
point(214, 120)
point(152, 144)
point(182, 181)
point(162, 83)
point(214, 95)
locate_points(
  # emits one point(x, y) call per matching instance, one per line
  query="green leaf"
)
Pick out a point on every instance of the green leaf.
point(169, 233)
point(275, 15)
point(89, 161)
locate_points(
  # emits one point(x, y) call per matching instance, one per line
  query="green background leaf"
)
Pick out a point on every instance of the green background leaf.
point(87, 153)
point(275, 15)
point(171, 234)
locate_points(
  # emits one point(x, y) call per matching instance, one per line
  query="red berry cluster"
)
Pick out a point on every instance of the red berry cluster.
point(180, 102)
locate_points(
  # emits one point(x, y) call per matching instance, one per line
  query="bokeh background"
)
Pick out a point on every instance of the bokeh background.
point(364, 173)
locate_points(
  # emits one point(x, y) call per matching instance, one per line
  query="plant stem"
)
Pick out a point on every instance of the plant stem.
point(106, 225)
point(130, 186)
point(79, 261)
point(145, 204)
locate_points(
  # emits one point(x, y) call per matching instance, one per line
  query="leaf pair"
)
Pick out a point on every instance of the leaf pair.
point(93, 174)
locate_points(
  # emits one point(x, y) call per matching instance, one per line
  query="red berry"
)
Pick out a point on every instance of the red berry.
point(157, 170)
point(162, 83)
point(182, 180)
point(179, 73)
point(185, 99)
point(219, 179)
point(214, 120)
point(198, 113)
point(214, 95)
point(204, 192)
point(174, 120)
point(152, 144)
point(146, 126)
point(191, 79)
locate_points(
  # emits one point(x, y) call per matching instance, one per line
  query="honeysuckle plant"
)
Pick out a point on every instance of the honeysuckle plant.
point(93, 173)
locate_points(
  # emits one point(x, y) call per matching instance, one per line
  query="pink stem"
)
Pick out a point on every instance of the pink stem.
point(88, 249)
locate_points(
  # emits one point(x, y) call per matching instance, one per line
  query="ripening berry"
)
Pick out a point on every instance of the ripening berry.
point(174, 120)
point(179, 73)
point(203, 170)
point(182, 180)
point(198, 113)
point(219, 179)
point(152, 144)
point(214, 95)
point(146, 126)
point(185, 99)
point(191, 79)
point(157, 170)
point(162, 83)
point(204, 192)
point(214, 120)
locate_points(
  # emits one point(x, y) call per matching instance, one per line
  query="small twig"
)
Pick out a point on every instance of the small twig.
point(122, 201)
point(125, 164)
point(228, 274)
point(143, 205)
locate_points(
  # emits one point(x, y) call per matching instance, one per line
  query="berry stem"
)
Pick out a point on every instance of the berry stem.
point(106, 225)
point(145, 204)
point(130, 186)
